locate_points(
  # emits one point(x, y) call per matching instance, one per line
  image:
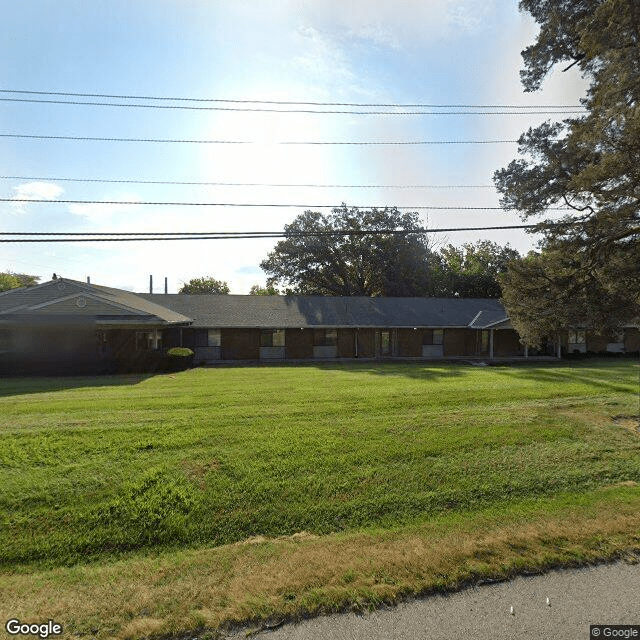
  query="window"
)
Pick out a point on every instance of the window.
point(484, 342)
point(213, 338)
point(576, 337)
point(101, 341)
point(272, 338)
point(385, 342)
point(325, 337)
point(148, 341)
point(617, 336)
point(433, 336)
point(143, 341)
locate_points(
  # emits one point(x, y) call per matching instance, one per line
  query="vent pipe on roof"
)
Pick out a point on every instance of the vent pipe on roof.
point(166, 287)
point(88, 280)
point(150, 284)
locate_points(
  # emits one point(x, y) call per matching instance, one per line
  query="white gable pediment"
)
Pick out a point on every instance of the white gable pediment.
point(79, 304)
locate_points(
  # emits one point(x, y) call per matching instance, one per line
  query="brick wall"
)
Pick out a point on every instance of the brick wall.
point(410, 342)
point(346, 343)
point(299, 343)
point(366, 343)
point(506, 343)
point(459, 342)
point(631, 340)
point(240, 344)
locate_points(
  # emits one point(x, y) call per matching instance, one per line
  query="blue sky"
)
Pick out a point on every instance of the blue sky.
point(377, 51)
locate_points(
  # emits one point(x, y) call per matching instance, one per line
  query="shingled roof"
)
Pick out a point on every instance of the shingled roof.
point(227, 311)
point(65, 297)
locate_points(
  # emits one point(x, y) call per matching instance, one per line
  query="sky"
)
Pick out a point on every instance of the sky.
point(436, 52)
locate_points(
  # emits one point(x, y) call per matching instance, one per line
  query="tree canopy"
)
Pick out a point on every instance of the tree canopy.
point(205, 285)
point(473, 270)
point(586, 272)
point(10, 280)
point(267, 290)
point(352, 252)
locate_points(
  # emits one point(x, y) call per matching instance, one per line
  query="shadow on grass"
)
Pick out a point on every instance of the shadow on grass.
point(34, 384)
point(589, 374)
point(419, 371)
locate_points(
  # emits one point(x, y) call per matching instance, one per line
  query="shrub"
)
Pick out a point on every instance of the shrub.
point(179, 359)
point(180, 352)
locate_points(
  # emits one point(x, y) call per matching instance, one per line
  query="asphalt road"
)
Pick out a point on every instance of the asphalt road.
point(605, 594)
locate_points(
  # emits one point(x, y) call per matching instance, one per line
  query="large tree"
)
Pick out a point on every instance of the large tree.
point(205, 285)
point(267, 290)
point(586, 272)
point(10, 280)
point(352, 252)
point(472, 270)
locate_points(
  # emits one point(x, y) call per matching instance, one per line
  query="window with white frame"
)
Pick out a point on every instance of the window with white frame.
point(617, 336)
point(272, 338)
point(576, 337)
point(144, 341)
point(433, 336)
point(325, 337)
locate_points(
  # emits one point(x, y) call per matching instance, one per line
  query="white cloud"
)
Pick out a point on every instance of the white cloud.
point(390, 23)
point(323, 61)
point(35, 191)
point(99, 213)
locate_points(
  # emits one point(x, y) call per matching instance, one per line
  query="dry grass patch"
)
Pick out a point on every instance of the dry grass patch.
point(197, 471)
point(630, 423)
point(266, 579)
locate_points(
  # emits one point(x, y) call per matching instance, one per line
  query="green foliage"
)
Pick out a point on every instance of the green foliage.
point(588, 266)
point(267, 290)
point(217, 456)
point(205, 285)
point(9, 280)
point(472, 271)
point(180, 352)
point(360, 264)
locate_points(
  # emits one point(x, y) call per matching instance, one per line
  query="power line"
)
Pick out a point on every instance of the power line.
point(285, 142)
point(291, 111)
point(257, 184)
point(296, 102)
point(221, 235)
point(252, 204)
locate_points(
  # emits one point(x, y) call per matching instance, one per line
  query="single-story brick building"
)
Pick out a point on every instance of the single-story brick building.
point(66, 325)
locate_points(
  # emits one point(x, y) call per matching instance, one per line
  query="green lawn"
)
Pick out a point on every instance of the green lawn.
point(95, 469)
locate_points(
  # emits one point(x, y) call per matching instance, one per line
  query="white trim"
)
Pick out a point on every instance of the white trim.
point(493, 324)
point(93, 297)
point(474, 319)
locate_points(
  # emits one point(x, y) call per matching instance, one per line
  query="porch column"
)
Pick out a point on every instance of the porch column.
point(491, 344)
point(559, 346)
point(526, 350)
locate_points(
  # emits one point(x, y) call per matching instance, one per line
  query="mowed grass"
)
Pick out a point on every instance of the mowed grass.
point(120, 476)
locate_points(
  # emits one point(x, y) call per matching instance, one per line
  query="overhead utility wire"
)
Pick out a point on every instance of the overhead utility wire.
point(141, 236)
point(285, 142)
point(257, 184)
point(252, 204)
point(289, 111)
point(298, 102)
